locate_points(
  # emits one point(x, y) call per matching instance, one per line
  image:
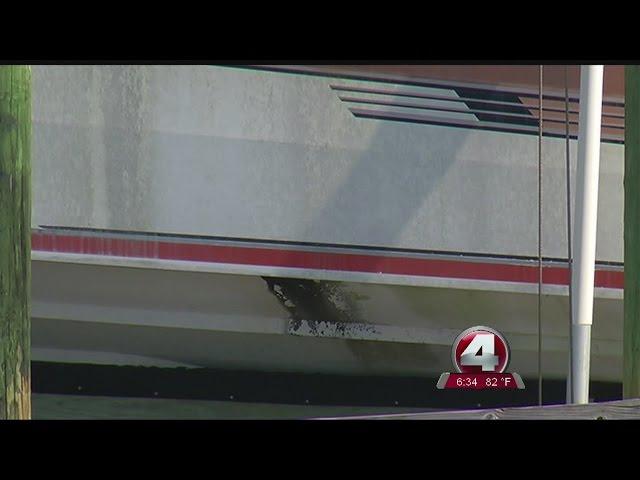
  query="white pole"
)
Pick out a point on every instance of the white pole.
point(584, 248)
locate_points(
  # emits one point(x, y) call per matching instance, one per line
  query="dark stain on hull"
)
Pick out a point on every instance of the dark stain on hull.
point(318, 301)
point(315, 301)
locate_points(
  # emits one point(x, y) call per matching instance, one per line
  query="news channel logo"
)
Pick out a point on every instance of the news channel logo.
point(480, 357)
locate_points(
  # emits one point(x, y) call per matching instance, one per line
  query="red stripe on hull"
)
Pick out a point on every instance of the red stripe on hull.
point(455, 269)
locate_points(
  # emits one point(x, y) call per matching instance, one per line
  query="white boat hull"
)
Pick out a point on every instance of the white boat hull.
point(156, 317)
point(209, 216)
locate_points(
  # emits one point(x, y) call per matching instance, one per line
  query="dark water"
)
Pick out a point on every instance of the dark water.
point(66, 407)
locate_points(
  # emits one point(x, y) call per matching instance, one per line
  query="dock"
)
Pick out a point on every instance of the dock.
point(618, 410)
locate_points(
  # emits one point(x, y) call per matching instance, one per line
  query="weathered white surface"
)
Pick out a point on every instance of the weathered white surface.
point(232, 152)
point(137, 316)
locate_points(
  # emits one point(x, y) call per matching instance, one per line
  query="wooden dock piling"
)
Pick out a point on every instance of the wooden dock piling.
point(15, 241)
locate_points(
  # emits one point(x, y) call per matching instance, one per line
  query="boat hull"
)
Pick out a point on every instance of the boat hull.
point(324, 220)
point(171, 318)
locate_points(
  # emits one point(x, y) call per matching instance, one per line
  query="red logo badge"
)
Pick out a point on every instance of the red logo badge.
point(480, 350)
point(480, 356)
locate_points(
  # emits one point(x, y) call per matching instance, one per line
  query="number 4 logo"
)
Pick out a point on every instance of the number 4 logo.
point(481, 352)
point(480, 349)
